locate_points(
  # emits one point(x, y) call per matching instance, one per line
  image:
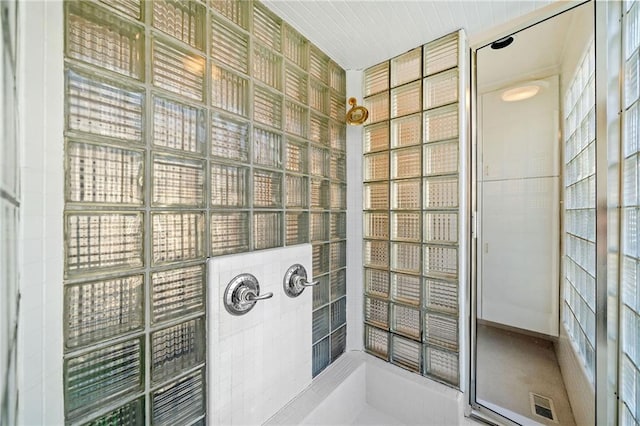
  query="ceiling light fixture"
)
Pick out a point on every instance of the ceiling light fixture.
point(524, 90)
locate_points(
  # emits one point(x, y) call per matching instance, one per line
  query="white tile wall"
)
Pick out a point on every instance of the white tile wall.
point(261, 360)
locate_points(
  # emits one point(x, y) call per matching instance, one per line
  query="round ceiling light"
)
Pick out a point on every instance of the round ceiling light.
point(520, 93)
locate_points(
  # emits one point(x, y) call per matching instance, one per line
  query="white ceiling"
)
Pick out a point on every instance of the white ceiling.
point(360, 33)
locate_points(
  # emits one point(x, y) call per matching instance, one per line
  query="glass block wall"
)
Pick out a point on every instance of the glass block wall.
point(579, 289)
point(629, 358)
point(10, 198)
point(193, 129)
point(411, 216)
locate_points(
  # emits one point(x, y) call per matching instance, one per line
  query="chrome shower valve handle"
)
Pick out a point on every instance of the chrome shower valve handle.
point(295, 281)
point(242, 294)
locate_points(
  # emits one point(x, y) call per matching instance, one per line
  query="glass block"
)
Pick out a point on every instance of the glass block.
point(318, 96)
point(406, 353)
point(229, 233)
point(131, 413)
point(376, 312)
point(376, 79)
point(295, 47)
point(405, 226)
point(295, 84)
point(103, 39)
point(441, 123)
point(337, 78)
point(177, 181)
point(297, 191)
point(337, 107)
point(406, 99)
point(267, 189)
point(182, 20)
point(179, 402)
point(103, 241)
point(378, 106)
point(177, 71)
point(441, 330)
point(178, 126)
point(405, 194)
point(229, 185)
point(95, 311)
point(267, 230)
point(295, 119)
point(405, 288)
point(297, 228)
point(177, 292)
point(229, 91)
point(320, 194)
point(376, 254)
point(236, 11)
point(267, 107)
point(318, 64)
point(441, 54)
point(338, 136)
point(103, 108)
point(98, 377)
point(128, 7)
point(338, 284)
point(338, 255)
point(376, 166)
point(320, 356)
point(441, 364)
point(376, 341)
point(440, 227)
point(406, 131)
point(441, 296)
point(440, 89)
point(177, 348)
point(321, 292)
point(320, 259)
point(405, 257)
point(376, 137)
point(338, 225)
point(440, 158)
point(405, 321)
point(376, 282)
point(338, 313)
point(405, 163)
point(376, 225)
point(441, 192)
point(441, 261)
point(338, 343)
point(338, 196)
point(406, 67)
point(376, 196)
point(297, 155)
point(102, 174)
point(229, 46)
point(177, 237)
point(318, 129)
point(320, 323)
point(229, 138)
point(338, 166)
point(318, 161)
point(266, 26)
point(319, 227)
point(267, 148)
point(267, 66)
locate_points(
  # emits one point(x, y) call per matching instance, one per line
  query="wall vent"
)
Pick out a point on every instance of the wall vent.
point(542, 406)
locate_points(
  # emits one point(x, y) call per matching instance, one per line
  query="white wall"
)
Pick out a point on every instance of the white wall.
point(519, 193)
point(41, 126)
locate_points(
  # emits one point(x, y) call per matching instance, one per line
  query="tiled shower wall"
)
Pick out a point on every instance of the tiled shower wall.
point(193, 129)
point(411, 209)
point(10, 198)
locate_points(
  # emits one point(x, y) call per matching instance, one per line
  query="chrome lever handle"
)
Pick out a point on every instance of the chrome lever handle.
point(252, 297)
point(302, 281)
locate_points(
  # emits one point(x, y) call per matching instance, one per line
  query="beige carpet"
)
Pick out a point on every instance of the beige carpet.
point(510, 365)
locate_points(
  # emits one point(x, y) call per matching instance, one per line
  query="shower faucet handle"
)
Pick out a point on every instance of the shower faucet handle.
point(242, 294)
point(252, 297)
point(295, 280)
